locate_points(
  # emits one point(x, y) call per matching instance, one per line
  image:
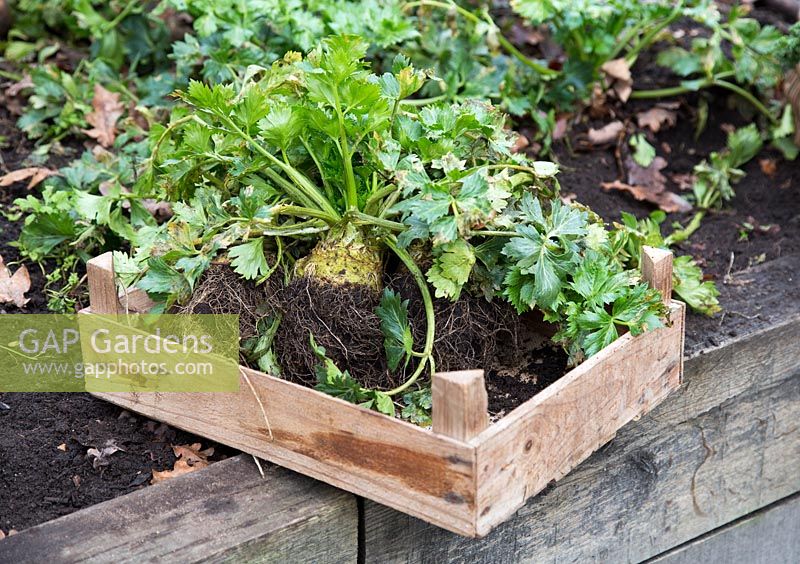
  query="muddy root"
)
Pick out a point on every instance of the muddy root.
point(469, 331)
point(221, 290)
point(342, 319)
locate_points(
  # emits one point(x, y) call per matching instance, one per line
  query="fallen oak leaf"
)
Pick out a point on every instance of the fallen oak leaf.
point(100, 457)
point(192, 453)
point(107, 109)
point(664, 199)
point(35, 173)
point(650, 185)
point(655, 118)
point(13, 287)
point(181, 467)
point(606, 134)
point(189, 459)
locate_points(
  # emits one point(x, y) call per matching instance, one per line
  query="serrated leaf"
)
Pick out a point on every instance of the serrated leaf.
point(398, 340)
point(248, 259)
point(451, 268)
point(644, 152)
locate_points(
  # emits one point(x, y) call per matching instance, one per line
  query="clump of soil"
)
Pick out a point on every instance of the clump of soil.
point(222, 291)
point(342, 319)
point(521, 370)
point(468, 330)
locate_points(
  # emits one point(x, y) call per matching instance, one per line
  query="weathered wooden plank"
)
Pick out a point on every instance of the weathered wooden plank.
point(225, 512)
point(769, 536)
point(362, 451)
point(560, 427)
point(102, 284)
point(656, 265)
point(723, 446)
point(460, 404)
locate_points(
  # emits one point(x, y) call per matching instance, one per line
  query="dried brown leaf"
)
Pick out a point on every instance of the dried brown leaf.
point(190, 458)
point(181, 467)
point(606, 134)
point(13, 288)
point(655, 118)
point(35, 173)
point(648, 176)
point(667, 201)
point(768, 166)
point(650, 185)
point(13, 90)
point(107, 109)
point(619, 73)
point(192, 453)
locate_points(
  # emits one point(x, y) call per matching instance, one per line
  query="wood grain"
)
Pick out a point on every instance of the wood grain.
point(102, 285)
point(460, 404)
point(362, 451)
point(225, 512)
point(546, 437)
point(656, 265)
point(433, 475)
point(768, 536)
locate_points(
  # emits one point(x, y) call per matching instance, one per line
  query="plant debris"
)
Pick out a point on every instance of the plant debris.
point(101, 457)
point(13, 287)
point(657, 117)
point(36, 175)
point(107, 109)
point(190, 458)
point(609, 133)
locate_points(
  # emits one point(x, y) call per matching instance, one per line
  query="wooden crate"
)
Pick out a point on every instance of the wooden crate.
point(464, 475)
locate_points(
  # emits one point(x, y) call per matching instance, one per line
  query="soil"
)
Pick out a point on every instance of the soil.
point(38, 480)
point(44, 468)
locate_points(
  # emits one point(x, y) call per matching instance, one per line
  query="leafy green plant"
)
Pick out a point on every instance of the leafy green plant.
point(321, 167)
point(119, 33)
point(631, 234)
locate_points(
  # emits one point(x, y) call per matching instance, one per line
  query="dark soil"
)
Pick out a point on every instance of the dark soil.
point(523, 369)
point(44, 468)
point(770, 202)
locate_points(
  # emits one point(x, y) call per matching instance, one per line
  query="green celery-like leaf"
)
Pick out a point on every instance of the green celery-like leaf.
point(451, 268)
point(397, 337)
point(248, 259)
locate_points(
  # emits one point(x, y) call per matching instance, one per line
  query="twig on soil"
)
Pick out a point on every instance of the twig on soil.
point(727, 278)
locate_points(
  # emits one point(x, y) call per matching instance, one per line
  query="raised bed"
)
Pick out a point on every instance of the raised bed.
point(466, 476)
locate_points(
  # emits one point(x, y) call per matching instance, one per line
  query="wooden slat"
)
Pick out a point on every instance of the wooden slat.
point(656, 265)
point(102, 285)
point(724, 445)
point(362, 451)
point(225, 512)
point(460, 404)
point(560, 427)
point(768, 536)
